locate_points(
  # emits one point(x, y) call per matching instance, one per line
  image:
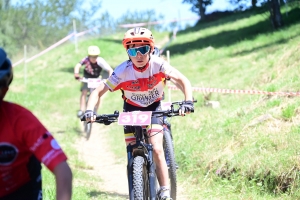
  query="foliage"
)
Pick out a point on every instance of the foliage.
point(39, 24)
point(199, 6)
point(140, 17)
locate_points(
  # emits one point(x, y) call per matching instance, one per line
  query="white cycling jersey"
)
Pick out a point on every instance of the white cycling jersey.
point(140, 87)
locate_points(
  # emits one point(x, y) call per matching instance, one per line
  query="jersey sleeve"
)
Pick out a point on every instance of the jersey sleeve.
point(83, 61)
point(165, 67)
point(103, 64)
point(114, 82)
point(38, 140)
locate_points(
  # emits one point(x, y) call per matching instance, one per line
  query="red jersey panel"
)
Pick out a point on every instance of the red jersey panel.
point(22, 137)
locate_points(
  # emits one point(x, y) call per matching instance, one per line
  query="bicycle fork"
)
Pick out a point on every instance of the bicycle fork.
point(150, 170)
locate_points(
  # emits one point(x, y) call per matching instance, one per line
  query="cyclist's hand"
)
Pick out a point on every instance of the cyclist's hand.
point(186, 108)
point(90, 115)
point(76, 76)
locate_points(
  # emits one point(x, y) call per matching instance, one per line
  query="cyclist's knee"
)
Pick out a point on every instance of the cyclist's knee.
point(158, 150)
point(84, 92)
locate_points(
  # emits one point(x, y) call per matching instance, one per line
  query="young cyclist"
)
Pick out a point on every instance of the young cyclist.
point(24, 144)
point(141, 81)
point(93, 67)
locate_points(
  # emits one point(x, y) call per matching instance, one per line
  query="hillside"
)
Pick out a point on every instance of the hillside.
point(245, 149)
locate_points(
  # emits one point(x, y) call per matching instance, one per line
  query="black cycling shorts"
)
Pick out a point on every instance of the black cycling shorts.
point(32, 190)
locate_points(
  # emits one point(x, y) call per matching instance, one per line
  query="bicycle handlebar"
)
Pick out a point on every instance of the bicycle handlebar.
point(107, 119)
point(85, 80)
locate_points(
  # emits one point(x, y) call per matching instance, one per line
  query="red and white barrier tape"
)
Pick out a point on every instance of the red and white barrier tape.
point(45, 51)
point(230, 91)
point(53, 46)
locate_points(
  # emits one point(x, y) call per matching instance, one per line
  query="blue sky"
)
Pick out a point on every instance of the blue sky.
point(171, 9)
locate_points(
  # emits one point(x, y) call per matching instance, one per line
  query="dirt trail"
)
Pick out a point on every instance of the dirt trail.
point(96, 153)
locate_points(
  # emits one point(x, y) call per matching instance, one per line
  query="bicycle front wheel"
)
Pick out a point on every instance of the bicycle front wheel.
point(170, 159)
point(88, 130)
point(140, 179)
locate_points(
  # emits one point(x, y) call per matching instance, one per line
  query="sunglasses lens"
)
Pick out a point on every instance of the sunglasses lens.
point(143, 50)
point(132, 52)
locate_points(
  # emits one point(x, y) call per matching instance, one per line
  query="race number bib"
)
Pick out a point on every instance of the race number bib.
point(93, 82)
point(135, 118)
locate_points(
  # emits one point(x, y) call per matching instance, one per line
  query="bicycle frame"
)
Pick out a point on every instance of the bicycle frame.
point(141, 147)
point(145, 150)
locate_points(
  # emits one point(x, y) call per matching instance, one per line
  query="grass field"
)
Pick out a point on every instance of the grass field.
point(246, 149)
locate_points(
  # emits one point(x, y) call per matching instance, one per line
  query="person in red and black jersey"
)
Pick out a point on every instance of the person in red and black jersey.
point(24, 144)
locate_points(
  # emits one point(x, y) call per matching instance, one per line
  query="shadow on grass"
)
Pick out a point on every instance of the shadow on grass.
point(106, 194)
point(220, 18)
point(113, 40)
point(274, 44)
point(77, 130)
point(227, 38)
point(69, 69)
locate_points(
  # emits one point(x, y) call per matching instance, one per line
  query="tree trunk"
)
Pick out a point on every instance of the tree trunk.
point(275, 14)
point(202, 10)
point(253, 3)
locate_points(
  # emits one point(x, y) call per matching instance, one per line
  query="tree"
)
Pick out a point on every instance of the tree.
point(275, 14)
point(39, 23)
point(199, 6)
point(140, 17)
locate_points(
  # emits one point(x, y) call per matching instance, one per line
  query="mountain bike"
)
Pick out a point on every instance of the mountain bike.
point(92, 84)
point(142, 180)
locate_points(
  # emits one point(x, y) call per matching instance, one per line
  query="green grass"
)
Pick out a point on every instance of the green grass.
point(246, 149)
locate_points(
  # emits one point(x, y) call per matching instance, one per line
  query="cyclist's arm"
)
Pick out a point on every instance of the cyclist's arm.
point(95, 95)
point(101, 62)
point(77, 68)
point(63, 178)
point(183, 83)
point(46, 149)
point(177, 85)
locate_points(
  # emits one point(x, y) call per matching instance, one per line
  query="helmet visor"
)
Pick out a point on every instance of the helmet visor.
point(143, 50)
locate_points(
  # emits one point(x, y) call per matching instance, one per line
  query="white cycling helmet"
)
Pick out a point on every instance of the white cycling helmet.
point(93, 51)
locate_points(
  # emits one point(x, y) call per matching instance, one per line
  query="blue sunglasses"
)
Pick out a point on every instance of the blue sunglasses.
point(143, 50)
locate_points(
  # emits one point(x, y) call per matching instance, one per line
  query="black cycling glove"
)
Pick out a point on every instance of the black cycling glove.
point(187, 106)
point(76, 76)
point(89, 114)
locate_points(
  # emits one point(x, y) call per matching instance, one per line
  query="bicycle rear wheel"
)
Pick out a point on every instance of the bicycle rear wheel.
point(170, 159)
point(141, 188)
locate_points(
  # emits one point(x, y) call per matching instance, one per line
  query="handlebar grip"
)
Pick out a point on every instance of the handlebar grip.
point(83, 118)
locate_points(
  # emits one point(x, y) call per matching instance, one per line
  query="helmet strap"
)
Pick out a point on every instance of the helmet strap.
point(3, 91)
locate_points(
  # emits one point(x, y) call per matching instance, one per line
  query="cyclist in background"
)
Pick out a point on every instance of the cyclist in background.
point(156, 52)
point(141, 81)
point(24, 144)
point(93, 67)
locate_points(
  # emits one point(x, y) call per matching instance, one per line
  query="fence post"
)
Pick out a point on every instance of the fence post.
point(75, 36)
point(25, 65)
